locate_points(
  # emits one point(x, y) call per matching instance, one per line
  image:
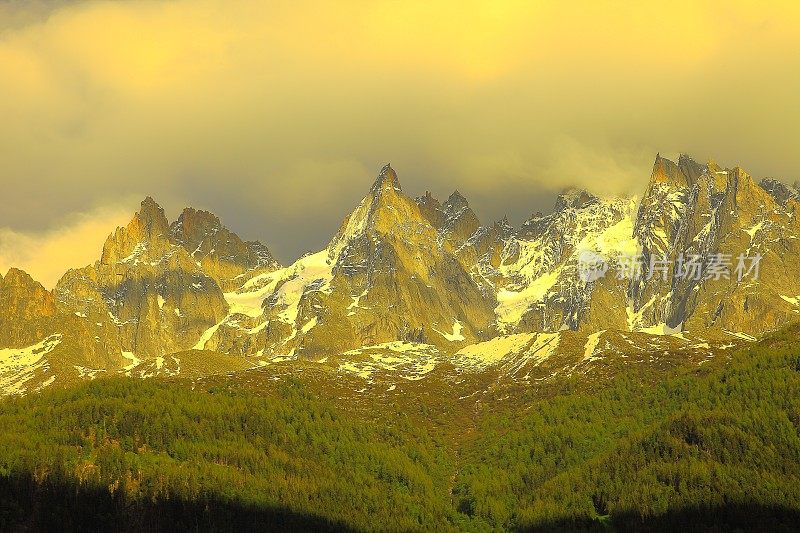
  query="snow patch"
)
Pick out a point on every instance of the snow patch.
point(662, 329)
point(285, 286)
point(138, 250)
point(206, 336)
point(84, 372)
point(456, 335)
point(616, 240)
point(512, 305)
point(309, 325)
point(355, 303)
point(483, 354)
point(740, 335)
point(19, 365)
point(406, 360)
point(130, 356)
point(753, 230)
point(591, 344)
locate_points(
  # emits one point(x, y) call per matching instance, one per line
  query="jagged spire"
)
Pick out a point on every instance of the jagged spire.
point(193, 226)
point(667, 171)
point(386, 191)
point(503, 225)
point(457, 195)
point(206, 217)
point(195, 221)
point(18, 277)
point(387, 178)
point(455, 202)
point(151, 216)
point(23, 298)
point(148, 226)
point(428, 199)
point(574, 197)
point(781, 192)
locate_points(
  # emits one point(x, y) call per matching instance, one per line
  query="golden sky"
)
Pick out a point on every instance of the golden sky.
point(277, 115)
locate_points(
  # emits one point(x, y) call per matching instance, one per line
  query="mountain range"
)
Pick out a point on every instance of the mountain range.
point(413, 287)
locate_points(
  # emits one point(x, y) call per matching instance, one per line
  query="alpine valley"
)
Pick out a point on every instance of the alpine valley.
point(424, 371)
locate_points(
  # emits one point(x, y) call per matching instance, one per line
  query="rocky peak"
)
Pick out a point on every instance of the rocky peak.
point(691, 168)
point(23, 287)
point(427, 199)
point(194, 225)
point(460, 222)
point(685, 173)
point(148, 232)
point(222, 254)
point(262, 254)
point(383, 211)
point(667, 172)
point(455, 203)
point(702, 210)
point(386, 181)
point(504, 227)
point(431, 209)
point(152, 219)
point(23, 302)
point(574, 198)
point(781, 192)
point(16, 278)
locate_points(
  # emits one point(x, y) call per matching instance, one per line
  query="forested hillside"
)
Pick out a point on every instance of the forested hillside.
point(715, 446)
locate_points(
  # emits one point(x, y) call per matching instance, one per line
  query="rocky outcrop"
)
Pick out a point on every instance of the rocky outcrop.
point(391, 278)
point(26, 308)
point(454, 220)
point(222, 254)
point(386, 275)
point(160, 285)
point(41, 341)
point(781, 192)
point(426, 271)
point(539, 282)
point(711, 214)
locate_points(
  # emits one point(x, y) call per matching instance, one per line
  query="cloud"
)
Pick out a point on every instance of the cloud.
point(277, 115)
point(75, 242)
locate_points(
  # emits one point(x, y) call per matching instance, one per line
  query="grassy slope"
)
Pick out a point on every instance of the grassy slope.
point(720, 443)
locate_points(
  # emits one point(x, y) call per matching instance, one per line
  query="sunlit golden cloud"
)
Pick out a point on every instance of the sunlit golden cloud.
point(75, 241)
point(276, 115)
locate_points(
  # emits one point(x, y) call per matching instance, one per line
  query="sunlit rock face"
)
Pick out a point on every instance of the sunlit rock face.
point(540, 287)
point(703, 211)
point(422, 277)
point(25, 309)
point(221, 253)
point(388, 274)
point(160, 286)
